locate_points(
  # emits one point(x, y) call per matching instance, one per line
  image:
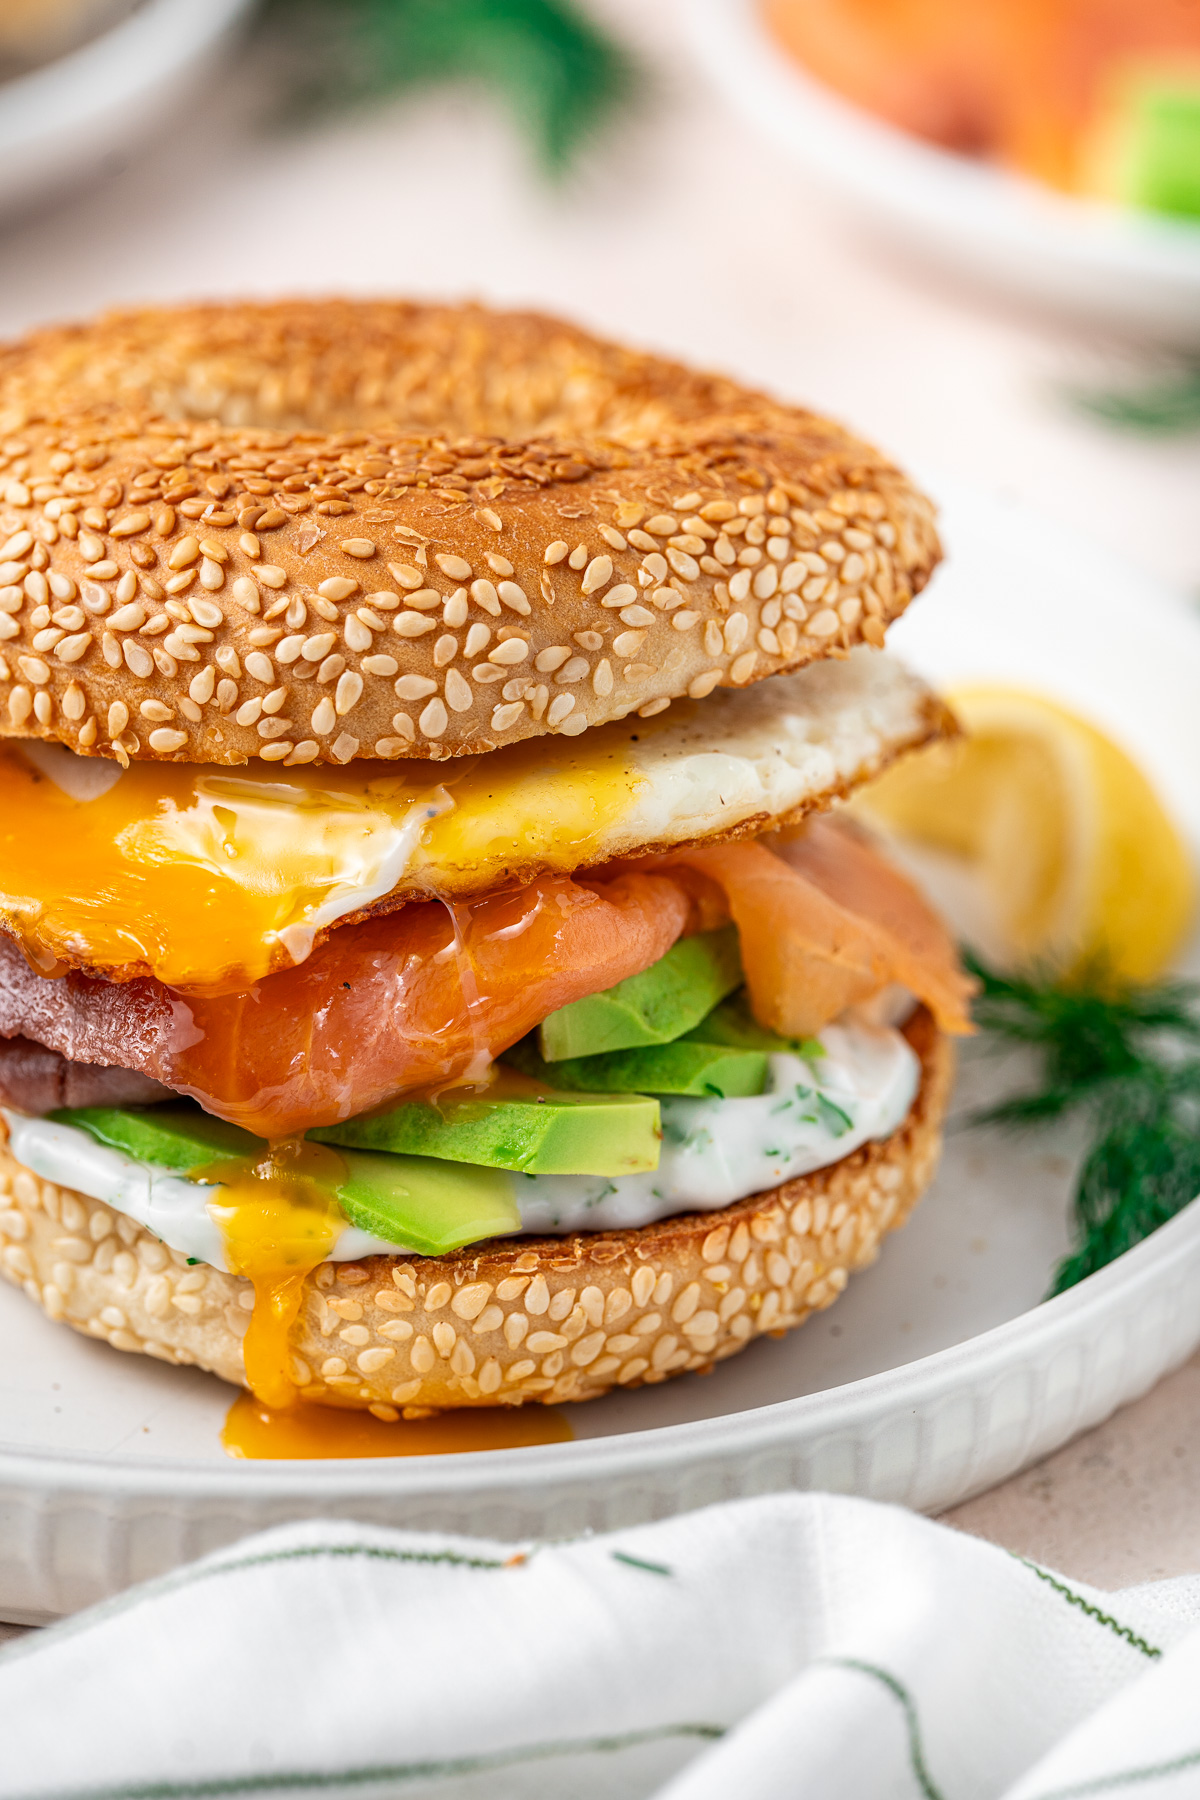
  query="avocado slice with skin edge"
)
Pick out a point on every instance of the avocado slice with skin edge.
point(520, 1125)
point(181, 1138)
point(661, 1004)
point(702, 1070)
point(732, 1024)
point(419, 1204)
point(424, 1204)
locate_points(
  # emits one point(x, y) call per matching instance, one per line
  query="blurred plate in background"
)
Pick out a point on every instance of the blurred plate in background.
point(60, 122)
point(1120, 269)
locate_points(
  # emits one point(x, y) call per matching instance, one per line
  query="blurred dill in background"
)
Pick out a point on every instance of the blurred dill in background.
point(562, 78)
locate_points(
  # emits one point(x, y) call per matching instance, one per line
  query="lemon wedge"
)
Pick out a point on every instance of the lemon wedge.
point(1081, 863)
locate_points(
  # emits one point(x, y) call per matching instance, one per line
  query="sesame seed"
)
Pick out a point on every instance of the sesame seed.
point(360, 547)
point(357, 635)
point(823, 624)
point(344, 748)
point(578, 557)
point(574, 670)
point(504, 717)
point(602, 678)
point(513, 597)
point(512, 650)
point(458, 570)
point(612, 536)
point(434, 719)
point(485, 594)
point(499, 565)
point(165, 741)
point(444, 651)
point(405, 576)
point(348, 692)
point(338, 587)
point(598, 574)
point(661, 525)
point(316, 648)
point(324, 716)
point(628, 643)
point(271, 575)
point(458, 693)
point(246, 594)
point(412, 625)
point(415, 687)
point(621, 595)
point(559, 707)
point(555, 552)
point(454, 612)
point(704, 684)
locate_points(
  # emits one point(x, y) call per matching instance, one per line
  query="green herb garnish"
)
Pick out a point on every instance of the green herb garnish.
point(1129, 1061)
point(1159, 409)
point(560, 74)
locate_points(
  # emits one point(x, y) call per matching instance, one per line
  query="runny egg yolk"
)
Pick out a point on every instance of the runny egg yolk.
point(210, 878)
point(278, 1219)
point(258, 1432)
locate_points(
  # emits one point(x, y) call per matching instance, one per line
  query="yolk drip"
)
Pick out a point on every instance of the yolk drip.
point(254, 1431)
point(279, 1219)
point(209, 878)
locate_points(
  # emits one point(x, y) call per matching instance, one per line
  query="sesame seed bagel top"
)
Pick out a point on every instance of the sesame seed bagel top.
point(314, 531)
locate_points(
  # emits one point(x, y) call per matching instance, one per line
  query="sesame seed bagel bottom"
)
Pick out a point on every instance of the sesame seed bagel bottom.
point(519, 1319)
point(314, 531)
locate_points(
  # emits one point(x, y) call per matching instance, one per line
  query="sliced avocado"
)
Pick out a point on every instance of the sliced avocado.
point(180, 1138)
point(654, 1007)
point(734, 1025)
point(683, 1067)
point(1160, 140)
point(427, 1205)
point(519, 1125)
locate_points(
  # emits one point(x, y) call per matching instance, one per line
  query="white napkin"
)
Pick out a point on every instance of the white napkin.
point(800, 1645)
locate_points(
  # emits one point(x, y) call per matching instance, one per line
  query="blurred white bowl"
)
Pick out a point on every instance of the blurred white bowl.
point(59, 122)
point(1125, 270)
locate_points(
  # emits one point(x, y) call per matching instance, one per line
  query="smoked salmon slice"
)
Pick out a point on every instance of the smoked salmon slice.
point(426, 997)
point(826, 922)
point(409, 1000)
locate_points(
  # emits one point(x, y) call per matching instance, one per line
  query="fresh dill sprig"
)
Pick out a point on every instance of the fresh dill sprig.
point(560, 74)
point(1161, 409)
point(1129, 1061)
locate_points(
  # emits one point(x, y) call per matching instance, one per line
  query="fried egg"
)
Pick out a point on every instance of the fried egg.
point(210, 877)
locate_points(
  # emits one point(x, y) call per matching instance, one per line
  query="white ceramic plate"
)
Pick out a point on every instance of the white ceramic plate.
point(60, 123)
point(935, 1376)
point(1118, 268)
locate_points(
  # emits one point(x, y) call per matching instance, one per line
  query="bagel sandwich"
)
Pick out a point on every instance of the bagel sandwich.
point(433, 969)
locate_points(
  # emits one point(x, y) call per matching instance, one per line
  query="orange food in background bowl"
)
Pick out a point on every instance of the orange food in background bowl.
point(1041, 86)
